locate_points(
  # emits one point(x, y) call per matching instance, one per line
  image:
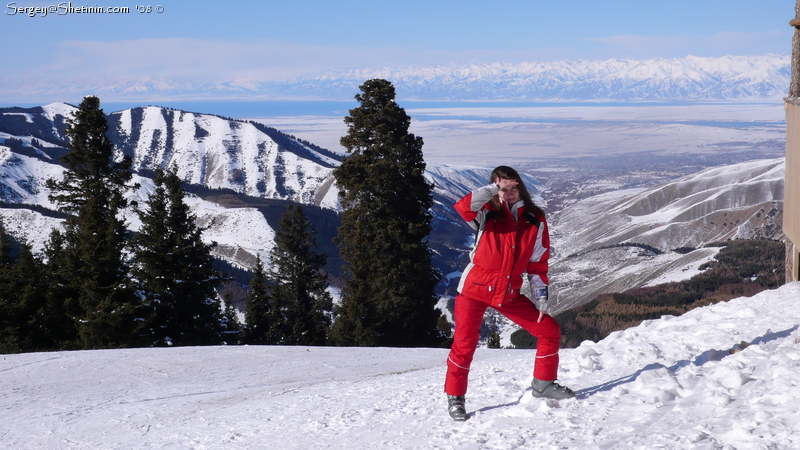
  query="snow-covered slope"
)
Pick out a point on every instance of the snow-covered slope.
point(241, 234)
point(223, 153)
point(22, 178)
point(208, 150)
point(741, 201)
point(714, 204)
point(720, 377)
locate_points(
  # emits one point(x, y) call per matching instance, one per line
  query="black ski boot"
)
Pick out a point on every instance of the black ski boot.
point(456, 406)
point(550, 389)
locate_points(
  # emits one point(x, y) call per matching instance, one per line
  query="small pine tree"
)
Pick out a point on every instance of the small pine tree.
point(173, 269)
point(493, 340)
point(258, 314)
point(231, 326)
point(388, 297)
point(299, 283)
point(445, 329)
point(94, 238)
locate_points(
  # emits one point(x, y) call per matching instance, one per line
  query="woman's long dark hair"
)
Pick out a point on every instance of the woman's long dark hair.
point(507, 173)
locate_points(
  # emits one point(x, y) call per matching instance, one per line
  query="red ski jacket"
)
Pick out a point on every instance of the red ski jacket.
point(509, 245)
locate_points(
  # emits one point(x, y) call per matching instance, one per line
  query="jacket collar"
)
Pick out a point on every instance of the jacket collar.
point(515, 208)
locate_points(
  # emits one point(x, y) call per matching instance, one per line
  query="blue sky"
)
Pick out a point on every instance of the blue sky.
point(207, 42)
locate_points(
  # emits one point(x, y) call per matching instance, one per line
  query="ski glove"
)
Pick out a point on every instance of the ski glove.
point(540, 295)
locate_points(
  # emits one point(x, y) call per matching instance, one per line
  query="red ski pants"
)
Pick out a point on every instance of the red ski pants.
point(468, 315)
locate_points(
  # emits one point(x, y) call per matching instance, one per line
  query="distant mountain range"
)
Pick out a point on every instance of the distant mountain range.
point(681, 79)
point(727, 78)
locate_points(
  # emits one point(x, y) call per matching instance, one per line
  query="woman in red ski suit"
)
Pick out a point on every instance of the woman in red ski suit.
point(512, 242)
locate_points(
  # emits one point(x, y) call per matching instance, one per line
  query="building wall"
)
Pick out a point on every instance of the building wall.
point(791, 199)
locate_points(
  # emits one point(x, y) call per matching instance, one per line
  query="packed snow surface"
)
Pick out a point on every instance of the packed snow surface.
point(722, 377)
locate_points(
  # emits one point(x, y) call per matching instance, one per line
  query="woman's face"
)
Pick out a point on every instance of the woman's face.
point(509, 193)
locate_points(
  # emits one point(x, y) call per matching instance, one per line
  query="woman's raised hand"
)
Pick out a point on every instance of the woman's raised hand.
point(505, 183)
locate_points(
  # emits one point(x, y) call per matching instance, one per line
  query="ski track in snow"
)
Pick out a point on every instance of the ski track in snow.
point(672, 383)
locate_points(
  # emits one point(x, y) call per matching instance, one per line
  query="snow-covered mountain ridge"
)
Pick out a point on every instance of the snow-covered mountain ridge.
point(740, 201)
point(210, 152)
point(678, 79)
point(692, 78)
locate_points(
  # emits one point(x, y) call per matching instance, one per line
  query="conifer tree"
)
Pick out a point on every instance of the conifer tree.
point(10, 314)
point(63, 308)
point(22, 299)
point(298, 283)
point(388, 297)
point(231, 326)
point(32, 297)
point(258, 314)
point(173, 270)
point(493, 341)
point(94, 238)
point(445, 329)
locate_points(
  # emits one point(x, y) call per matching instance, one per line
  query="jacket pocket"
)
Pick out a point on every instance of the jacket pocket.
point(481, 282)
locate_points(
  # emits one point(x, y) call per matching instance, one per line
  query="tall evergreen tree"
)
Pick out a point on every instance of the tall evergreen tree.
point(258, 314)
point(63, 308)
point(388, 296)
point(23, 301)
point(32, 294)
point(10, 313)
point(173, 269)
point(298, 283)
point(94, 239)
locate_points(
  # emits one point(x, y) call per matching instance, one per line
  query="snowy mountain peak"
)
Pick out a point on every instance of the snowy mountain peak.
point(53, 110)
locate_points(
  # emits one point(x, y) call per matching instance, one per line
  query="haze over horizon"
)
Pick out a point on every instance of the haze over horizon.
point(135, 53)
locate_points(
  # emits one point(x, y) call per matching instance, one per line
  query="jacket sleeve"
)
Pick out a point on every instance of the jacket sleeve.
point(472, 206)
point(538, 264)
